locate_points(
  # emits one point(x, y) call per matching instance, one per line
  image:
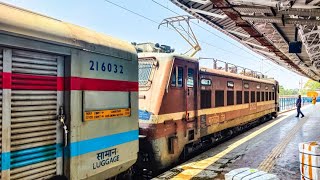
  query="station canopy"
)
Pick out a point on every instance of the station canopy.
point(268, 27)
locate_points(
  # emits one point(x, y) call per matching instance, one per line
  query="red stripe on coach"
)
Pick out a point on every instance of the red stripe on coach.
point(38, 82)
point(6, 80)
point(77, 83)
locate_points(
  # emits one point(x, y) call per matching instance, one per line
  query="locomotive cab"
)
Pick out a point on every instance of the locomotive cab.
point(167, 85)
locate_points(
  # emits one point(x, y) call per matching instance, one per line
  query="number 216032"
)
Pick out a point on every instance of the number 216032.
point(101, 66)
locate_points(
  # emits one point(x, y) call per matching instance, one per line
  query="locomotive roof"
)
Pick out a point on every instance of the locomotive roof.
point(170, 56)
point(15, 20)
point(238, 76)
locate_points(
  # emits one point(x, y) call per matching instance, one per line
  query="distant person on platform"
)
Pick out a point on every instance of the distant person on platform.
point(314, 100)
point(298, 104)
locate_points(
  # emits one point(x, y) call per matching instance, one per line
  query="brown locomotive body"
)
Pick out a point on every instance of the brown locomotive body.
point(183, 107)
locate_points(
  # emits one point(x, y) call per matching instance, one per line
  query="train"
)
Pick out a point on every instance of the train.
point(184, 107)
point(79, 104)
point(69, 100)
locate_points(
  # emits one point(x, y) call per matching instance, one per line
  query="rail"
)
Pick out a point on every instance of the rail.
point(228, 67)
point(289, 102)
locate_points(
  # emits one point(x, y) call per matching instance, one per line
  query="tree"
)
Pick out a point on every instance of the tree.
point(312, 85)
point(283, 91)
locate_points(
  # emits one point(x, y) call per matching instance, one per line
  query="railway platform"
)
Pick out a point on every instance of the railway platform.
point(271, 147)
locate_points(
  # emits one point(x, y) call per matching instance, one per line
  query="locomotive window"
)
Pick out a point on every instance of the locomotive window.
point(246, 85)
point(267, 96)
point(262, 96)
point(190, 80)
point(205, 99)
point(258, 97)
point(239, 97)
point(146, 71)
point(246, 97)
point(258, 86)
point(173, 77)
point(230, 98)
point(205, 82)
point(177, 81)
point(230, 84)
point(273, 96)
point(270, 98)
point(180, 76)
point(253, 96)
point(219, 98)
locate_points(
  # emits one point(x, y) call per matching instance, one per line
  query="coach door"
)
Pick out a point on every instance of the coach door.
point(31, 134)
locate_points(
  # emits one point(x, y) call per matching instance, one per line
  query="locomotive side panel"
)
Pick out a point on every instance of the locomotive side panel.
point(240, 104)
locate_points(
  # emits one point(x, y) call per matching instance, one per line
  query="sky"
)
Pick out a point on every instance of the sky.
point(108, 18)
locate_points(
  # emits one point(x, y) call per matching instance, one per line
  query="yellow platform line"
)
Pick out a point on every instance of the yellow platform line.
point(268, 163)
point(197, 167)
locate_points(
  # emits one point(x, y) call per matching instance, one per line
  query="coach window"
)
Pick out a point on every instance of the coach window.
point(253, 96)
point(230, 98)
point(219, 98)
point(190, 81)
point(267, 96)
point(246, 97)
point(262, 96)
point(239, 97)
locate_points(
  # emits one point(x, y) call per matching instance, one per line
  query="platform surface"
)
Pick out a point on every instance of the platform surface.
point(271, 147)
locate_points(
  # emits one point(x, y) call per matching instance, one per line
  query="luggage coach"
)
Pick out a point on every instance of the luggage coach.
point(69, 99)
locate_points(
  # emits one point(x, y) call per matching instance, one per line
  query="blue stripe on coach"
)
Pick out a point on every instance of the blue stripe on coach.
point(91, 145)
point(30, 156)
point(35, 155)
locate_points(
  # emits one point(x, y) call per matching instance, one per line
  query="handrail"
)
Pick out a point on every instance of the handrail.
point(232, 68)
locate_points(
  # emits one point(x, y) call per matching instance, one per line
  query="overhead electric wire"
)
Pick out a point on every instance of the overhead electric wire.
point(131, 11)
point(205, 29)
point(210, 32)
point(153, 21)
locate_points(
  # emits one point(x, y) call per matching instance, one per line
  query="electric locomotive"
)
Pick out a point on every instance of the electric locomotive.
point(183, 107)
